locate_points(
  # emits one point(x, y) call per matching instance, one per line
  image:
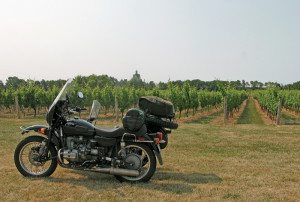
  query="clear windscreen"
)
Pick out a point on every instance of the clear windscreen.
point(95, 110)
point(62, 95)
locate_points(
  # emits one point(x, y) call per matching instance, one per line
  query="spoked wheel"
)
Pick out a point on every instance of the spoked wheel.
point(139, 157)
point(31, 159)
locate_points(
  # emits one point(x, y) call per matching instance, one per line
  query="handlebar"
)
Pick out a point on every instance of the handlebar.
point(77, 109)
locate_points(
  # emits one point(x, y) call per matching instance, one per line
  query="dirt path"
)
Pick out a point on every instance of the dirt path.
point(289, 118)
point(198, 116)
point(291, 113)
point(232, 120)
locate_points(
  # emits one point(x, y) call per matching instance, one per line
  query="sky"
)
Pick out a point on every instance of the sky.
point(162, 39)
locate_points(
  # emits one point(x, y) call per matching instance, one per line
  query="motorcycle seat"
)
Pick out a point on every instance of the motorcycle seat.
point(110, 132)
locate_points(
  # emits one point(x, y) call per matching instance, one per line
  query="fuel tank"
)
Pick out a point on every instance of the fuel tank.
point(78, 127)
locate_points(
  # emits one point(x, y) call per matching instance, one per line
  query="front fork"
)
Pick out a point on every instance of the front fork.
point(52, 137)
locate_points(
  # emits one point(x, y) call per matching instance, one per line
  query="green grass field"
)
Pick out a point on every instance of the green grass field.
point(243, 162)
point(250, 115)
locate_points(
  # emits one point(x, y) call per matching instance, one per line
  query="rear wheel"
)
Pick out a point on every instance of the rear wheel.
point(31, 159)
point(139, 157)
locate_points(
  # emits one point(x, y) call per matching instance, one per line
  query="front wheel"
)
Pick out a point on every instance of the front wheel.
point(139, 157)
point(31, 159)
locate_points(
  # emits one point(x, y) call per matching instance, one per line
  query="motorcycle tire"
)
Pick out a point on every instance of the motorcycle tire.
point(20, 164)
point(152, 165)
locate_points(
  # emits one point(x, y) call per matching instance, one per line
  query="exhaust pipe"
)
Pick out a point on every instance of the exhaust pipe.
point(116, 171)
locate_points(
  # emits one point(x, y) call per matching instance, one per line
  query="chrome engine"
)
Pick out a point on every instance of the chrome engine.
point(83, 153)
point(79, 149)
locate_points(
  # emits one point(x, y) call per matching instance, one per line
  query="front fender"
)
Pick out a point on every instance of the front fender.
point(36, 128)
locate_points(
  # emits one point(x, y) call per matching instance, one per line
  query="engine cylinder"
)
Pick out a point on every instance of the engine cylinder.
point(70, 155)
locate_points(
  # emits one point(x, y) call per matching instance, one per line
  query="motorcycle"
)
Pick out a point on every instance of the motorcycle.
point(128, 152)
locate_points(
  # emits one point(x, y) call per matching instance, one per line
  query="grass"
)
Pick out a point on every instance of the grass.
point(286, 119)
point(243, 162)
point(207, 119)
point(250, 114)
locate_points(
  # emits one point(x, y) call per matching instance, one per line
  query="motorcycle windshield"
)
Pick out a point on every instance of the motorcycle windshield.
point(95, 110)
point(62, 95)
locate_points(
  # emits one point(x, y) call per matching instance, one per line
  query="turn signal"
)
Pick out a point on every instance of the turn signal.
point(42, 130)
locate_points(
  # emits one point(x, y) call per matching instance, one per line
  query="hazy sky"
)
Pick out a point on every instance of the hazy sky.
point(162, 39)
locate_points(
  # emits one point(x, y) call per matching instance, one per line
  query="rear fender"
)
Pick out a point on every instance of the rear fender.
point(156, 149)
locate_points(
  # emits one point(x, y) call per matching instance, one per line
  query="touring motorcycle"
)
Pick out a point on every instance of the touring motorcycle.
point(128, 152)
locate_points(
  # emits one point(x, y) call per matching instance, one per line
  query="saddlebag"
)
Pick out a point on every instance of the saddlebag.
point(134, 122)
point(157, 106)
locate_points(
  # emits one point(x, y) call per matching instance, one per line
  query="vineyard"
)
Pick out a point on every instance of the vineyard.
point(33, 98)
point(250, 148)
point(185, 98)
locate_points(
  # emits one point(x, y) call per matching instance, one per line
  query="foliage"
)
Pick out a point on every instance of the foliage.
point(185, 96)
point(123, 96)
point(291, 99)
point(234, 99)
point(268, 100)
point(209, 99)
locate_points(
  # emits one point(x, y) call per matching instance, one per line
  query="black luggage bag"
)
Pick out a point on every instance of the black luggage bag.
point(134, 122)
point(157, 106)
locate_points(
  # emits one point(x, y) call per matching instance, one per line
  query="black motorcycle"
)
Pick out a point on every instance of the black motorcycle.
point(129, 152)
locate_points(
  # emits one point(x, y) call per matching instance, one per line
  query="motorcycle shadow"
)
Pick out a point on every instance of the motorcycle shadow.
point(193, 178)
point(165, 181)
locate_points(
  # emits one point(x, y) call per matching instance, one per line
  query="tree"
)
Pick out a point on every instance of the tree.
point(107, 98)
point(2, 85)
point(134, 96)
point(187, 97)
point(1, 97)
point(155, 92)
point(256, 85)
point(243, 85)
point(30, 97)
point(194, 101)
point(150, 85)
point(8, 98)
point(123, 97)
point(136, 81)
point(162, 86)
point(181, 100)
point(272, 85)
point(14, 82)
point(92, 81)
point(172, 94)
point(293, 86)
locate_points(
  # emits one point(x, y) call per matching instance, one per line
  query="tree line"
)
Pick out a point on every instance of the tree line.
point(187, 96)
point(136, 81)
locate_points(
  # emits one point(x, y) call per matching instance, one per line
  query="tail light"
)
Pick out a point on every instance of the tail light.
point(159, 136)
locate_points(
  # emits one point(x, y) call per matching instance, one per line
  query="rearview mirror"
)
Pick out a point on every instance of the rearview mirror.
point(80, 95)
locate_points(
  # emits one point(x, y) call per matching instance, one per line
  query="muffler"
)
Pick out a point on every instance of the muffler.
point(116, 171)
